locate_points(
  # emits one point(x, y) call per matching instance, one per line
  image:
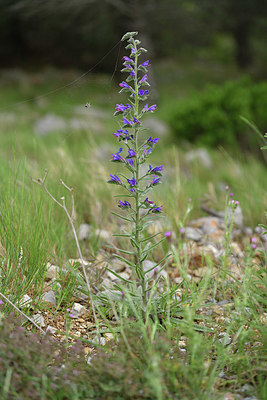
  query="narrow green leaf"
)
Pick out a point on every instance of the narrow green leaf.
point(124, 260)
point(122, 235)
point(118, 276)
point(124, 218)
point(156, 244)
point(131, 253)
point(150, 237)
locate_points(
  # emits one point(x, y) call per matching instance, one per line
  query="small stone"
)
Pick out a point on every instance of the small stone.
point(39, 319)
point(50, 298)
point(247, 231)
point(147, 265)
point(238, 216)
point(222, 336)
point(246, 388)
point(109, 336)
point(50, 329)
point(157, 126)
point(117, 265)
point(193, 233)
point(125, 275)
point(48, 124)
point(232, 396)
point(99, 340)
point(78, 310)
point(84, 231)
point(200, 155)
point(25, 301)
point(52, 272)
point(103, 234)
point(79, 294)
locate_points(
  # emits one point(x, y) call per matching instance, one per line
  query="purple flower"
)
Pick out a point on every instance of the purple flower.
point(254, 246)
point(142, 92)
point(155, 170)
point(127, 59)
point(1, 302)
point(121, 107)
point(125, 204)
point(129, 122)
point(168, 234)
point(155, 181)
point(147, 151)
point(132, 50)
point(232, 194)
point(151, 108)
point(131, 153)
point(148, 202)
point(145, 64)
point(117, 157)
point(142, 80)
point(132, 73)
point(152, 141)
point(156, 209)
point(120, 132)
point(254, 240)
point(182, 230)
point(115, 179)
point(125, 85)
point(132, 182)
point(130, 161)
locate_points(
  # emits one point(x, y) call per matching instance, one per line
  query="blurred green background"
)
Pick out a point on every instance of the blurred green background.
point(207, 70)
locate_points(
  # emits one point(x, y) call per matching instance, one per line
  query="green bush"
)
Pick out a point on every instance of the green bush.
point(213, 117)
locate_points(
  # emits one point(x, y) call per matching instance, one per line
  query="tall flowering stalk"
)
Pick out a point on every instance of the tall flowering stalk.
point(134, 153)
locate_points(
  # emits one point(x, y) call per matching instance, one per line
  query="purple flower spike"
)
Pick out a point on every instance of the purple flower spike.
point(132, 182)
point(127, 59)
point(151, 108)
point(131, 153)
point(121, 132)
point(124, 204)
point(122, 108)
point(136, 121)
point(142, 80)
point(125, 85)
point(148, 202)
point(130, 162)
point(155, 181)
point(129, 122)
point(147, 151)
point(145, 64)
point(117, 157)
point(157, 209)
point(155, 170)
point(152, 141)
point(115, 179)
point(142, 92)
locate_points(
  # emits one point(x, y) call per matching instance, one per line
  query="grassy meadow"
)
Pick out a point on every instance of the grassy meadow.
point(209, 344)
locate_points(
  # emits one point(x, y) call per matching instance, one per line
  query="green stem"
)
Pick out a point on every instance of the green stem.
point(139, 263)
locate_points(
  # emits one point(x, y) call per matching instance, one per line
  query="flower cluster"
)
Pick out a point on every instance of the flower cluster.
point(132, 113)
point(136, 149)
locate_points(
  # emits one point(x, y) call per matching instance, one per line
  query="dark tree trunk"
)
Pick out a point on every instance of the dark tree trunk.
point(243, 52)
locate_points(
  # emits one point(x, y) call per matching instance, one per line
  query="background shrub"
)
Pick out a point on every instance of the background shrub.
point(213, 117)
